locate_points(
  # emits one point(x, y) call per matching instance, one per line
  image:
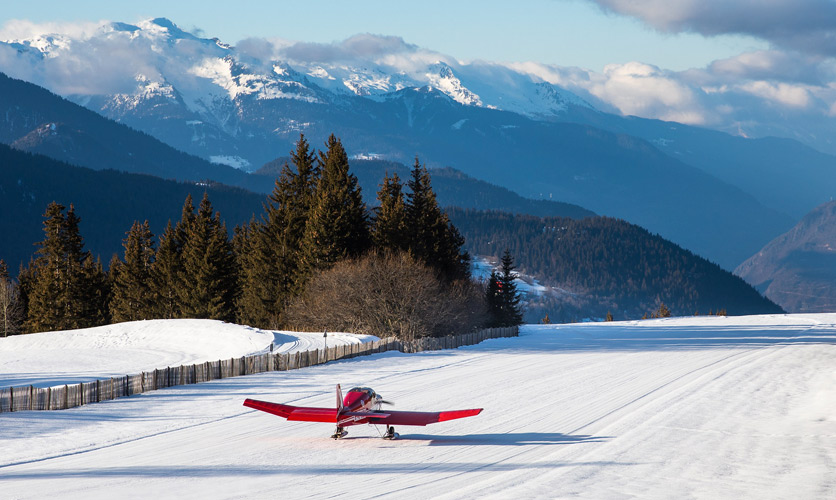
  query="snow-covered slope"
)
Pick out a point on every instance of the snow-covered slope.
point(704, 407)
point(72, 356)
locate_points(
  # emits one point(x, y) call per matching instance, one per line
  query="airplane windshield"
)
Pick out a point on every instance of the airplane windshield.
point(367, 390)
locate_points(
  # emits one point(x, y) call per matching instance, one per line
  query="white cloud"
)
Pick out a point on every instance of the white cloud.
point(792, 96)
point(645, 90)
point(21, 29)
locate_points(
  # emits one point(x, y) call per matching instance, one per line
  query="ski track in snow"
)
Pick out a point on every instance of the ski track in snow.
point(677, 408)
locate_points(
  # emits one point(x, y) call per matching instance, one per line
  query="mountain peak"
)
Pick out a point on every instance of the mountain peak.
point(163, 26)
point(117, 26)
point(440, 76)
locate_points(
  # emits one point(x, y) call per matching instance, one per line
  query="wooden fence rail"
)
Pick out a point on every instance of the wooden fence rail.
point(70, 396)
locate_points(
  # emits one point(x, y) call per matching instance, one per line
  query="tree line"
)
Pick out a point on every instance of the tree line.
point(604, 264)
point(313, 221)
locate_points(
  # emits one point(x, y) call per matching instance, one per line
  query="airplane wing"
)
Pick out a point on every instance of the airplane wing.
point(311, 414)
point(298, 413)
point(426, 417)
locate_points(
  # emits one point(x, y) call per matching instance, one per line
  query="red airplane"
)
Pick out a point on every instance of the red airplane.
point(360, 406)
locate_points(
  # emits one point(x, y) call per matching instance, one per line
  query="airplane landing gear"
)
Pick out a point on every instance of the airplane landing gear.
point(339, 433)
point(390, 433)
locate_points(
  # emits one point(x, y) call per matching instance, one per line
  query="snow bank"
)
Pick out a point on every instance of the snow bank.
point(72, 356)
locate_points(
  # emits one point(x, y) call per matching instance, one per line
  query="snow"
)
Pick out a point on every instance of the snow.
point(458, 125)
point(73, 356)
point(231, 161)
point(481, 270)
point(705, 407)
point(441, 76)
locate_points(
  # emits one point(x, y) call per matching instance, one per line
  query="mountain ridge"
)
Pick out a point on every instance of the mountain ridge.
point(797, 270)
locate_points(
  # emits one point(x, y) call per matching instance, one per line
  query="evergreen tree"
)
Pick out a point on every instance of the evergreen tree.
point(431, 236)
point(389, 230)
point(165, 276)
point(337, 226)
point(66, 288)
point(663, 311)
point(502, 296)
point(268, 252)
point(45, 284)
point(96, 295)
point(208, 278)
point(493, 299)
point(131, 280)
point(252, 304)
point(187, 218)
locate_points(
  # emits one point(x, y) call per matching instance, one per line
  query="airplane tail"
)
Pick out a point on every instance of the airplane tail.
point(339, 398)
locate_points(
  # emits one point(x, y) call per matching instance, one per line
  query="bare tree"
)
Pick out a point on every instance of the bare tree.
point(10, 307)
point(387, 294)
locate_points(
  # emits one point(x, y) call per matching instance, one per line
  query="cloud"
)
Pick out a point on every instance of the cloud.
point(632, 89)
point(358, 47)
point(774, 65)
point(806, 25)
point(645, 90)
point(21, 29)
point(791, 96)
point(97, 58)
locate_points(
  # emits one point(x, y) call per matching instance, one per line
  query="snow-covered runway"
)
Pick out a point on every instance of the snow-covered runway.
point(676, 408)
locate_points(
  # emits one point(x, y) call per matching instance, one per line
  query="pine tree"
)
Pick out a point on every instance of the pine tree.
point(66, 287)
point(389, 229)
point(431, 237)
point(252, 304)
point(208, 279)
point(268, 252)
point(165, 276)
point(493, 299)
point(131, 280)
point(96, 294)
point(337, 226)
point(502, 296)
point(46, 306)
point(663, 311)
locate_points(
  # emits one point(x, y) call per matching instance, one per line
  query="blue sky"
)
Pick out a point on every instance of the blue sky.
point(565, 32)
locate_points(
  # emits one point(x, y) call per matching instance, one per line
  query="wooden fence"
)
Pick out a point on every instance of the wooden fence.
point(70, 396)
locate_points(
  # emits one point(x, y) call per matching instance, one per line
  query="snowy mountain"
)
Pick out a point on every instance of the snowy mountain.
point(243, 106)
point(203, 89)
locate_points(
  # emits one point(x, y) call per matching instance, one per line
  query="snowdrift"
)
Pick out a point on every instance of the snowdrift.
point(73, 356)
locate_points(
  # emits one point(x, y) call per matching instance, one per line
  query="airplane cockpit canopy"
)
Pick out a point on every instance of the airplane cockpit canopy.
point(367, 390)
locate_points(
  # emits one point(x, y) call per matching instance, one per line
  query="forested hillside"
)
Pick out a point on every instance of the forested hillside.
point(453, 187)
point(606, 264)
point(108, 202)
